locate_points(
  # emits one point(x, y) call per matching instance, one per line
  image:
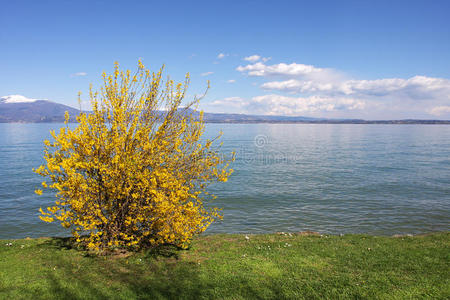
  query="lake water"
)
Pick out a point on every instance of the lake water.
point(376, 179)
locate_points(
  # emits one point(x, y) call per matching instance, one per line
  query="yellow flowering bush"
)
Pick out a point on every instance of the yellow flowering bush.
point(134, 171)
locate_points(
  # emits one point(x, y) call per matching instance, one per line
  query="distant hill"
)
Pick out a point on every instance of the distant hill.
point(19, 109)
point(241, 118)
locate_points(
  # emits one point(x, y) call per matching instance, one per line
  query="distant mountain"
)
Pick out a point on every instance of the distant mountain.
point(19, 109)
point(241, 118)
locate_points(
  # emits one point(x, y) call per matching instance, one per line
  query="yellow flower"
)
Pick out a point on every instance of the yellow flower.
point(128, 175)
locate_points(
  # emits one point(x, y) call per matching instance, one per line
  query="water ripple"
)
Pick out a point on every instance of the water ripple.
point(375, 179)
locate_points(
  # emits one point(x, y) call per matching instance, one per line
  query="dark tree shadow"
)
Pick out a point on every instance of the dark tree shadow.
point(166, 251)
point(161, 273)
point(172, 278)
point(59, 243)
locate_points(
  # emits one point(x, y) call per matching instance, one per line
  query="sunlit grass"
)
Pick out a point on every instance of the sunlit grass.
point(232, 267)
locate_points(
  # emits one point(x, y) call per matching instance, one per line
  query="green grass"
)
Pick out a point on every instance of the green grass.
point(230, 267)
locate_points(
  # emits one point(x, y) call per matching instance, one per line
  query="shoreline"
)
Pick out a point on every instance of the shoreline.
point(320, 122)
point(278, 233)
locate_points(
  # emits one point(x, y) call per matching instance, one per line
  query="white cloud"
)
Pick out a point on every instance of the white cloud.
point(207, 73)
point(414, 97)
point(289, 106)
point(293, 85)
point(222, 55)
point(417, 87)
point(78, 74)
point(310, 79)
point(235, 102)
point(283, 105)
point(297, 70)
point(254, 58)
point(231, 81)
point(440, 110)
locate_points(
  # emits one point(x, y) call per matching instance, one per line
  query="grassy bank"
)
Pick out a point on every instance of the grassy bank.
point(230, 266)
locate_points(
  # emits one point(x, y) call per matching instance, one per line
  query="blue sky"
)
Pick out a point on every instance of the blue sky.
point(379, 60)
